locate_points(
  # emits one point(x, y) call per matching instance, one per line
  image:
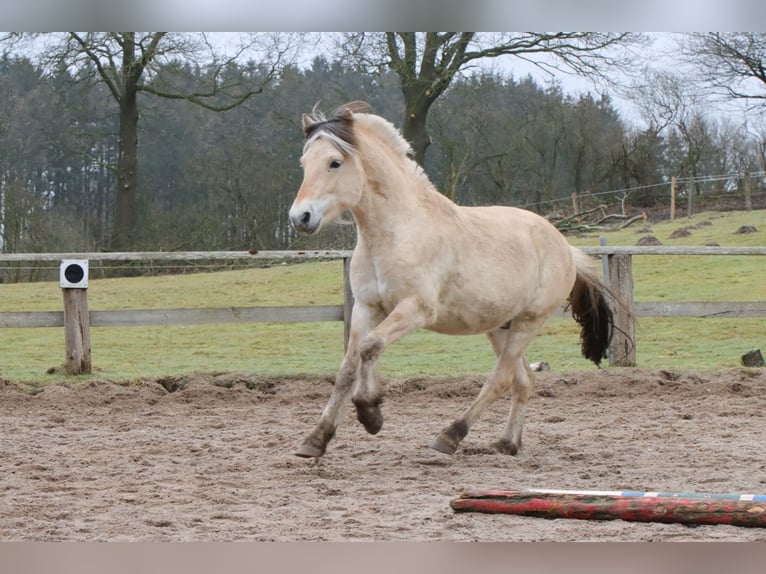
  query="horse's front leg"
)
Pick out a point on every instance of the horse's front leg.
point(314, 445)
point(406, 317)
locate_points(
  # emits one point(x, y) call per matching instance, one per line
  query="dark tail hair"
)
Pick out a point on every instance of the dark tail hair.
point(591, 300)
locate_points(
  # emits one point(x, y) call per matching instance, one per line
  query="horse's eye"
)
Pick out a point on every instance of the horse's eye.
point(335, 164)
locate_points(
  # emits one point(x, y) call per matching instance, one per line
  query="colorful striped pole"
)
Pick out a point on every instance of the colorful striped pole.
point(685, 508)
point(637, 493)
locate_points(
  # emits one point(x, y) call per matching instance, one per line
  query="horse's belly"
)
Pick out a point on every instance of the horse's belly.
point(472, 321)
point(457, 329)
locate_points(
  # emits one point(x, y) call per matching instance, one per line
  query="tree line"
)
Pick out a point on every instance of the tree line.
point(217, 165)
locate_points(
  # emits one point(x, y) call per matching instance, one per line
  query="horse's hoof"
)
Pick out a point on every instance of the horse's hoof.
point(505, 446)
point(308, 450)
point(450, 437)
point(445, 446)
point(371, 418)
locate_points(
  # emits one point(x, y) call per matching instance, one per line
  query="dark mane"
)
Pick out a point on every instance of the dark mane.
point(340, 124)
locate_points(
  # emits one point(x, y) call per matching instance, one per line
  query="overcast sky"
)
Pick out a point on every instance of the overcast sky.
point(662, 55)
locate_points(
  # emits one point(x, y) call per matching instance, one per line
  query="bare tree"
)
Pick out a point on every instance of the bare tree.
point(668, 101)
point(734, 63)
point(128, 63)
point(427, 62)
point(8, 40)
point(664, 100)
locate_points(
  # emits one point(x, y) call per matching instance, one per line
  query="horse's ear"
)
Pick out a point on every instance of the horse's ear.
point(306, 122)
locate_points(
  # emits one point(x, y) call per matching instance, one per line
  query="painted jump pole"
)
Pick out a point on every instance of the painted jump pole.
point(684, 508)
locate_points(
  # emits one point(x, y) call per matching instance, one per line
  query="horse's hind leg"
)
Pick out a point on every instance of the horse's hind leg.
point(510, 373)
point(521, 389)
point(497, 384)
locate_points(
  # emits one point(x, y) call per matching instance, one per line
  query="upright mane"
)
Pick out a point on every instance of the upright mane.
point(394, 139)
point(388, 132)
point(339, 127)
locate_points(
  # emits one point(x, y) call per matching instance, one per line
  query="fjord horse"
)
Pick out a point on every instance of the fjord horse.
point(423, 262)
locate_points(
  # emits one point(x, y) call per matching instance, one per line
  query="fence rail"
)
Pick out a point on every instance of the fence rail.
point(308, 255)
point(155, 317)
point(219, 256)
point(617, 263)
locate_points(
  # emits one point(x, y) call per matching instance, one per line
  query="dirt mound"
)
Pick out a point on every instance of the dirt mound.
point(681, 232)
point(648, 240)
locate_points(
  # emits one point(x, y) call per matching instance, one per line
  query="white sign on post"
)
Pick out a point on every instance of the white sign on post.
point(74, 274)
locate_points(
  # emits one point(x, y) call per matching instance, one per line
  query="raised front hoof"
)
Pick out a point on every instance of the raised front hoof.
point(370, 417)
point(307, 450)
point(505, 446)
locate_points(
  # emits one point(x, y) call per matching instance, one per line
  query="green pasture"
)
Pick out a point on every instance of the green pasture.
point(126, 353)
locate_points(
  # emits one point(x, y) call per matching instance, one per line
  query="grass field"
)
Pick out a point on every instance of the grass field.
point(316, 348)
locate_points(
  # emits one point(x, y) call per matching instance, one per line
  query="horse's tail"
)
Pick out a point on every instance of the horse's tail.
point(591, 301)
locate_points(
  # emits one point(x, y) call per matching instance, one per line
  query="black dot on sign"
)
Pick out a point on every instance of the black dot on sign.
point(74, 273)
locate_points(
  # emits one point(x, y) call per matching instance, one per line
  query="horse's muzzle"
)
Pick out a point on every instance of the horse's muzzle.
point(304, 221)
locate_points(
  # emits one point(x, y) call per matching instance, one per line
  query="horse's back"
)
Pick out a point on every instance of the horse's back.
point(514, 235)
point(499, 263)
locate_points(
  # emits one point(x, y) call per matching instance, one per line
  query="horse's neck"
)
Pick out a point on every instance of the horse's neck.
point(397, 197)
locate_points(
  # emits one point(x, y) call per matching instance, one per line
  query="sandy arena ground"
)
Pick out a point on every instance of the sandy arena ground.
point(209, 458)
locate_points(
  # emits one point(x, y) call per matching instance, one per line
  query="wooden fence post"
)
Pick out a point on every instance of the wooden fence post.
point(348, 301)
point(74, 285)
point(76, 332)
point(690, 188)
point(672, 197)
point(604, 260)
point(622, 351)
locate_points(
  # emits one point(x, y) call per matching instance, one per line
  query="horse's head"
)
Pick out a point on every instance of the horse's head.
point(333, 177)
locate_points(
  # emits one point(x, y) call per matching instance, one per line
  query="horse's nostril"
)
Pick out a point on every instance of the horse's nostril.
point(306, 217)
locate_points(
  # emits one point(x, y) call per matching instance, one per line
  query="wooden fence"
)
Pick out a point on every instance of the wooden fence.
point(617, 269)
